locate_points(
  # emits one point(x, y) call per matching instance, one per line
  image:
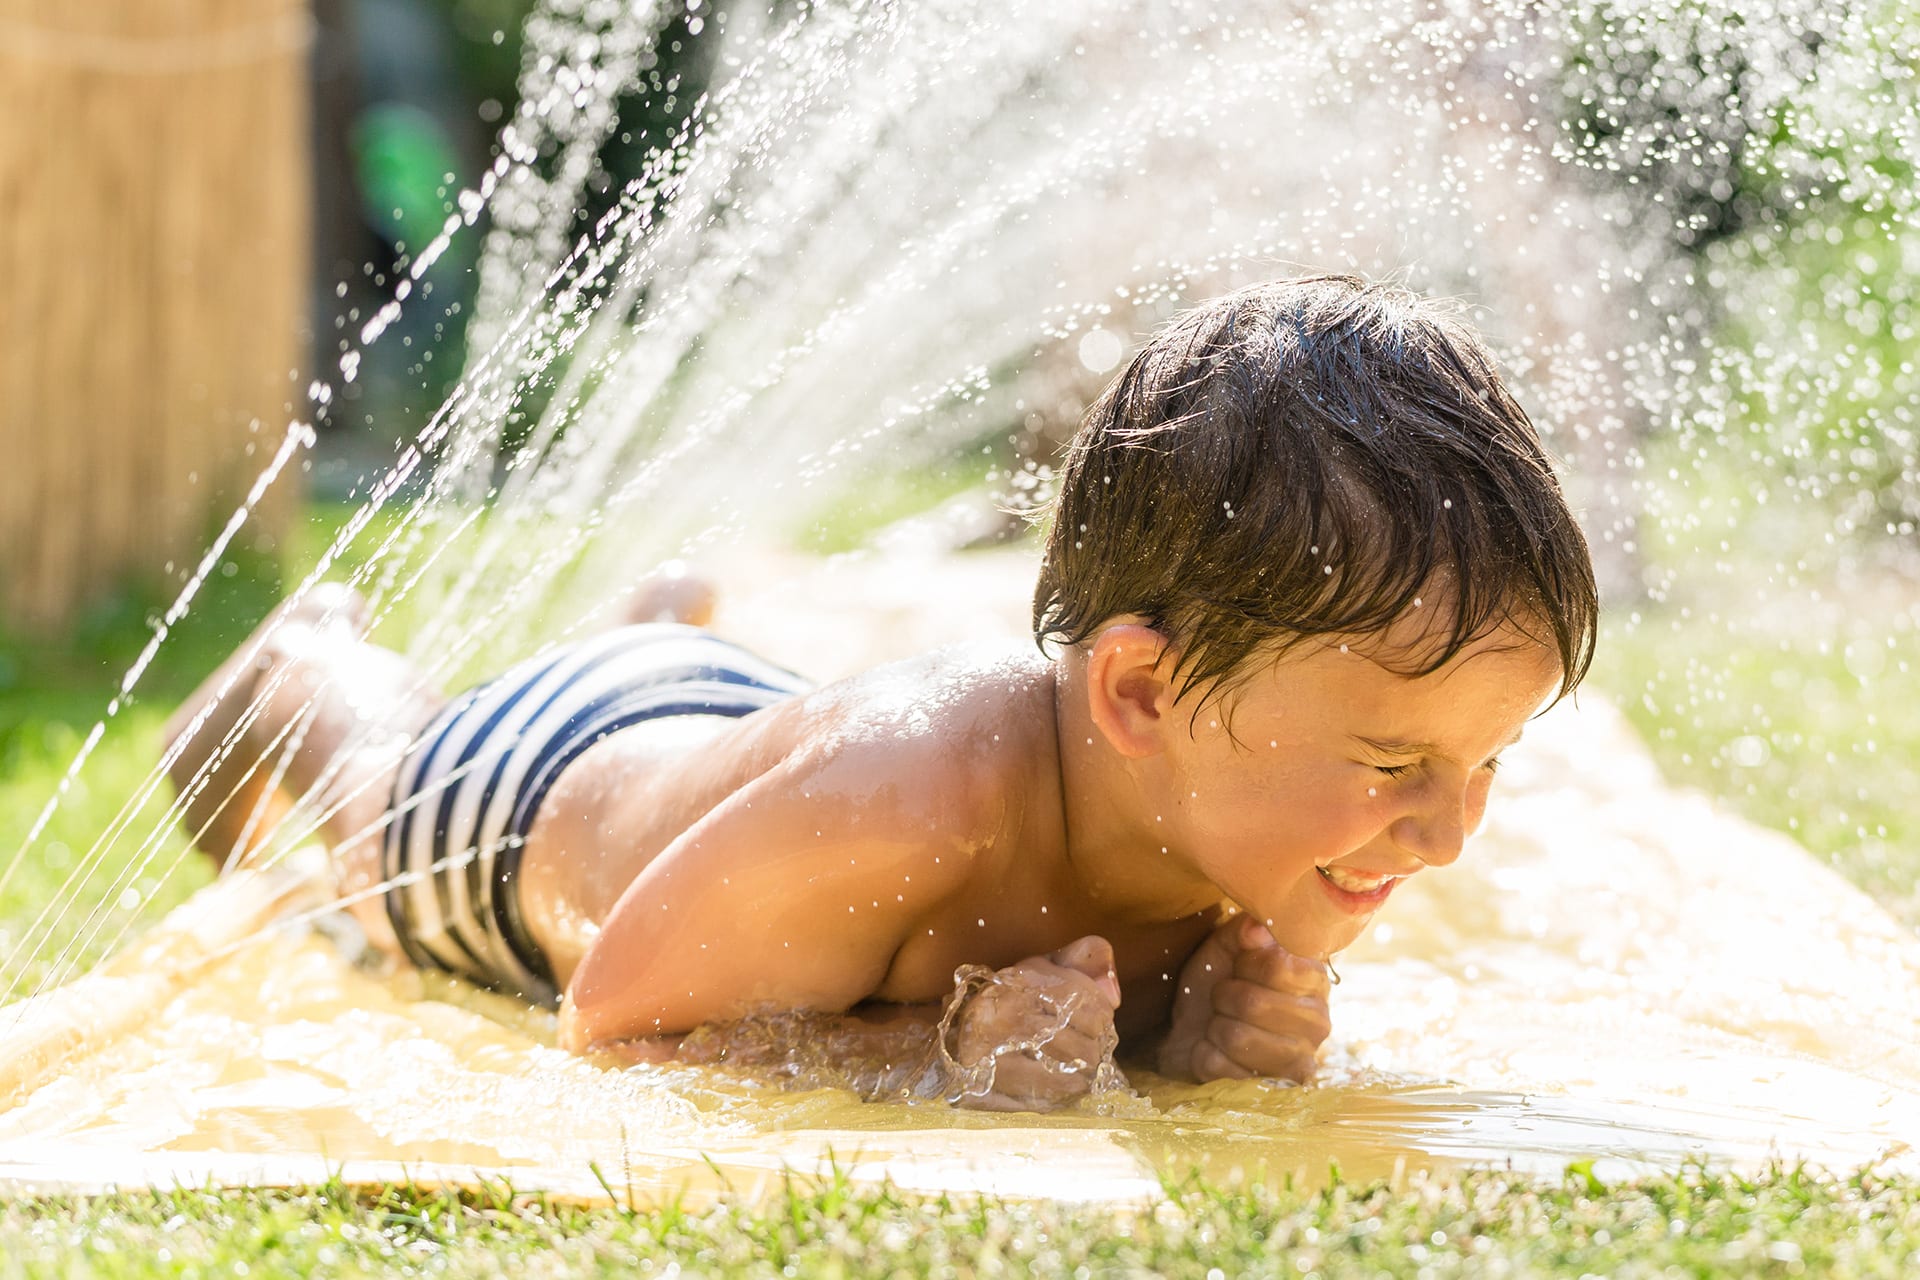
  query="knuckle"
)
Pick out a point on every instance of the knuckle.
point(1309, 977)
point(1024, 974)
point(1093, 1021)
point(1255, 966)
point(1233, 997)
point(1077, 986)
point(1293, 1015)
point(1235, 1038)
point(1249, 1002)
point(1296, 1066)
point(1295, 974)
point(1309, 1016)
point(1293, 982)
point(1209, 1063)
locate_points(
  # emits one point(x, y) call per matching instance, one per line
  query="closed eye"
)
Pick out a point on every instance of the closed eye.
point(1393, 770)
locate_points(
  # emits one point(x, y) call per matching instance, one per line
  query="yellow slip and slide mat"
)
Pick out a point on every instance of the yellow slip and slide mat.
point(1614, 971)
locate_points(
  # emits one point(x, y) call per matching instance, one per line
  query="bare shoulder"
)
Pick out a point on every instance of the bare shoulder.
point(927, 754)
point(948, 742)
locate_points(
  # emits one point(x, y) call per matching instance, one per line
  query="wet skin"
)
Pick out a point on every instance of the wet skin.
point(1130, 861)
point(856, 845)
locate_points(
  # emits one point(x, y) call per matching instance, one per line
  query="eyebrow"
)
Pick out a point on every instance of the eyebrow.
point(1402, 747)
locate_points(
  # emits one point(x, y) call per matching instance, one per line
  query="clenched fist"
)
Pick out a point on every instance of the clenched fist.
point(1034, 1035)
point(1246, 1008)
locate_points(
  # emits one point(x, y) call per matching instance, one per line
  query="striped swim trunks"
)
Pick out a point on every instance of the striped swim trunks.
point(468, 791)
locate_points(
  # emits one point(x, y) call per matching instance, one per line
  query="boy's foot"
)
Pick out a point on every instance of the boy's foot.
point(671, 593)
point(229, 805)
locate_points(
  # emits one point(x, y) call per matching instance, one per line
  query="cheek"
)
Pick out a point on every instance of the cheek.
point(1340, 818)
point(1302, 820)
point(1476, 807)
point(1267, 801)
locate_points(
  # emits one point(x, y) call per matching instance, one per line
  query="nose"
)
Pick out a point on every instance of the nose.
point(1445, 813)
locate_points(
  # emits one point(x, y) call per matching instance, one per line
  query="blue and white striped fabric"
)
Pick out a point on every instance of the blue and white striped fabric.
point(468, 791)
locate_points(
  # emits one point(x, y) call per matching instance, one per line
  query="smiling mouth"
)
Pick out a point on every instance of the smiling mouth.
point(1357, 891)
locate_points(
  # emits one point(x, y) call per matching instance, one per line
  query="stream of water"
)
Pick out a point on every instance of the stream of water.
point(890, 235)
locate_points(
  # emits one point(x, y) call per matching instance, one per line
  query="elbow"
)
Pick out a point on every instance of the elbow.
point(572, 1034)
point(588, 1018)
point(586, 1009)
point(593, 1016)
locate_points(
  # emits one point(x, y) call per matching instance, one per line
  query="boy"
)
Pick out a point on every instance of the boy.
point(1309, 573)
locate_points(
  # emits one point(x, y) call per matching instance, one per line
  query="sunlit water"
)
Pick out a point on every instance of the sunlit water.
point(892, 232)
point(1616, 971)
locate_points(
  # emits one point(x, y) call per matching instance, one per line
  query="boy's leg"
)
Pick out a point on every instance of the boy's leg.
point(215, 768)
point(671, 593)
point(350, 706)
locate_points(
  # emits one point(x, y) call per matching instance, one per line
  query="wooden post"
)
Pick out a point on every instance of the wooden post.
point(153, 284)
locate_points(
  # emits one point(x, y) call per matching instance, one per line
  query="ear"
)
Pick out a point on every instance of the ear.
point(1130, 687)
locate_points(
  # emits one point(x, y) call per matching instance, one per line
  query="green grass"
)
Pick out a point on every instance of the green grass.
point(1802, 725)
point(118, 893)
point(1693, 1223)
point(51, 697)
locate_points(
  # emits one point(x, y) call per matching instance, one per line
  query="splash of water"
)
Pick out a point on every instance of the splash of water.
point(799, 1050)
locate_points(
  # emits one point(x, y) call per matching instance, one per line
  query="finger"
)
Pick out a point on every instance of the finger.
point(1210, 1062)
point(1262, 1052)
point(1009, 1011)
point(1069, 1010)
point(1277, 1011)
point(1074, 1015)
point(1070, 1045)
point(1250, 935)
point(1038, 1081)
point(1045, 991)
point(1092, 956)
point(1278, 969)
point(1090, 1008)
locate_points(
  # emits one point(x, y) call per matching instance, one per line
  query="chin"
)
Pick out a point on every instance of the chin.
point(1304, 923)
point(1305, 936)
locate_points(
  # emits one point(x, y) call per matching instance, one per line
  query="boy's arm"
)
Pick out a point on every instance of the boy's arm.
point(1030, 1038)
point(793, 893)
point(880, 1049)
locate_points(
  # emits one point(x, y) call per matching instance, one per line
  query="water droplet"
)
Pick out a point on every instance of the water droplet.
point(1100, 350)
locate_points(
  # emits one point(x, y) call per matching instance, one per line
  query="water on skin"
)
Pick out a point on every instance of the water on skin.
point(1615, 970)
point(807, 1051)
point(891, 228)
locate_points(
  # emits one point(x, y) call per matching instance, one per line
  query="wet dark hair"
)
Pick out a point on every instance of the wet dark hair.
point(1314, 457)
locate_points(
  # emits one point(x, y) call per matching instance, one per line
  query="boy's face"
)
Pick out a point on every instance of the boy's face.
point(1346, 777)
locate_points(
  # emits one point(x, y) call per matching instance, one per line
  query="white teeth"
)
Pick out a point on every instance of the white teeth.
point(1353, 882)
